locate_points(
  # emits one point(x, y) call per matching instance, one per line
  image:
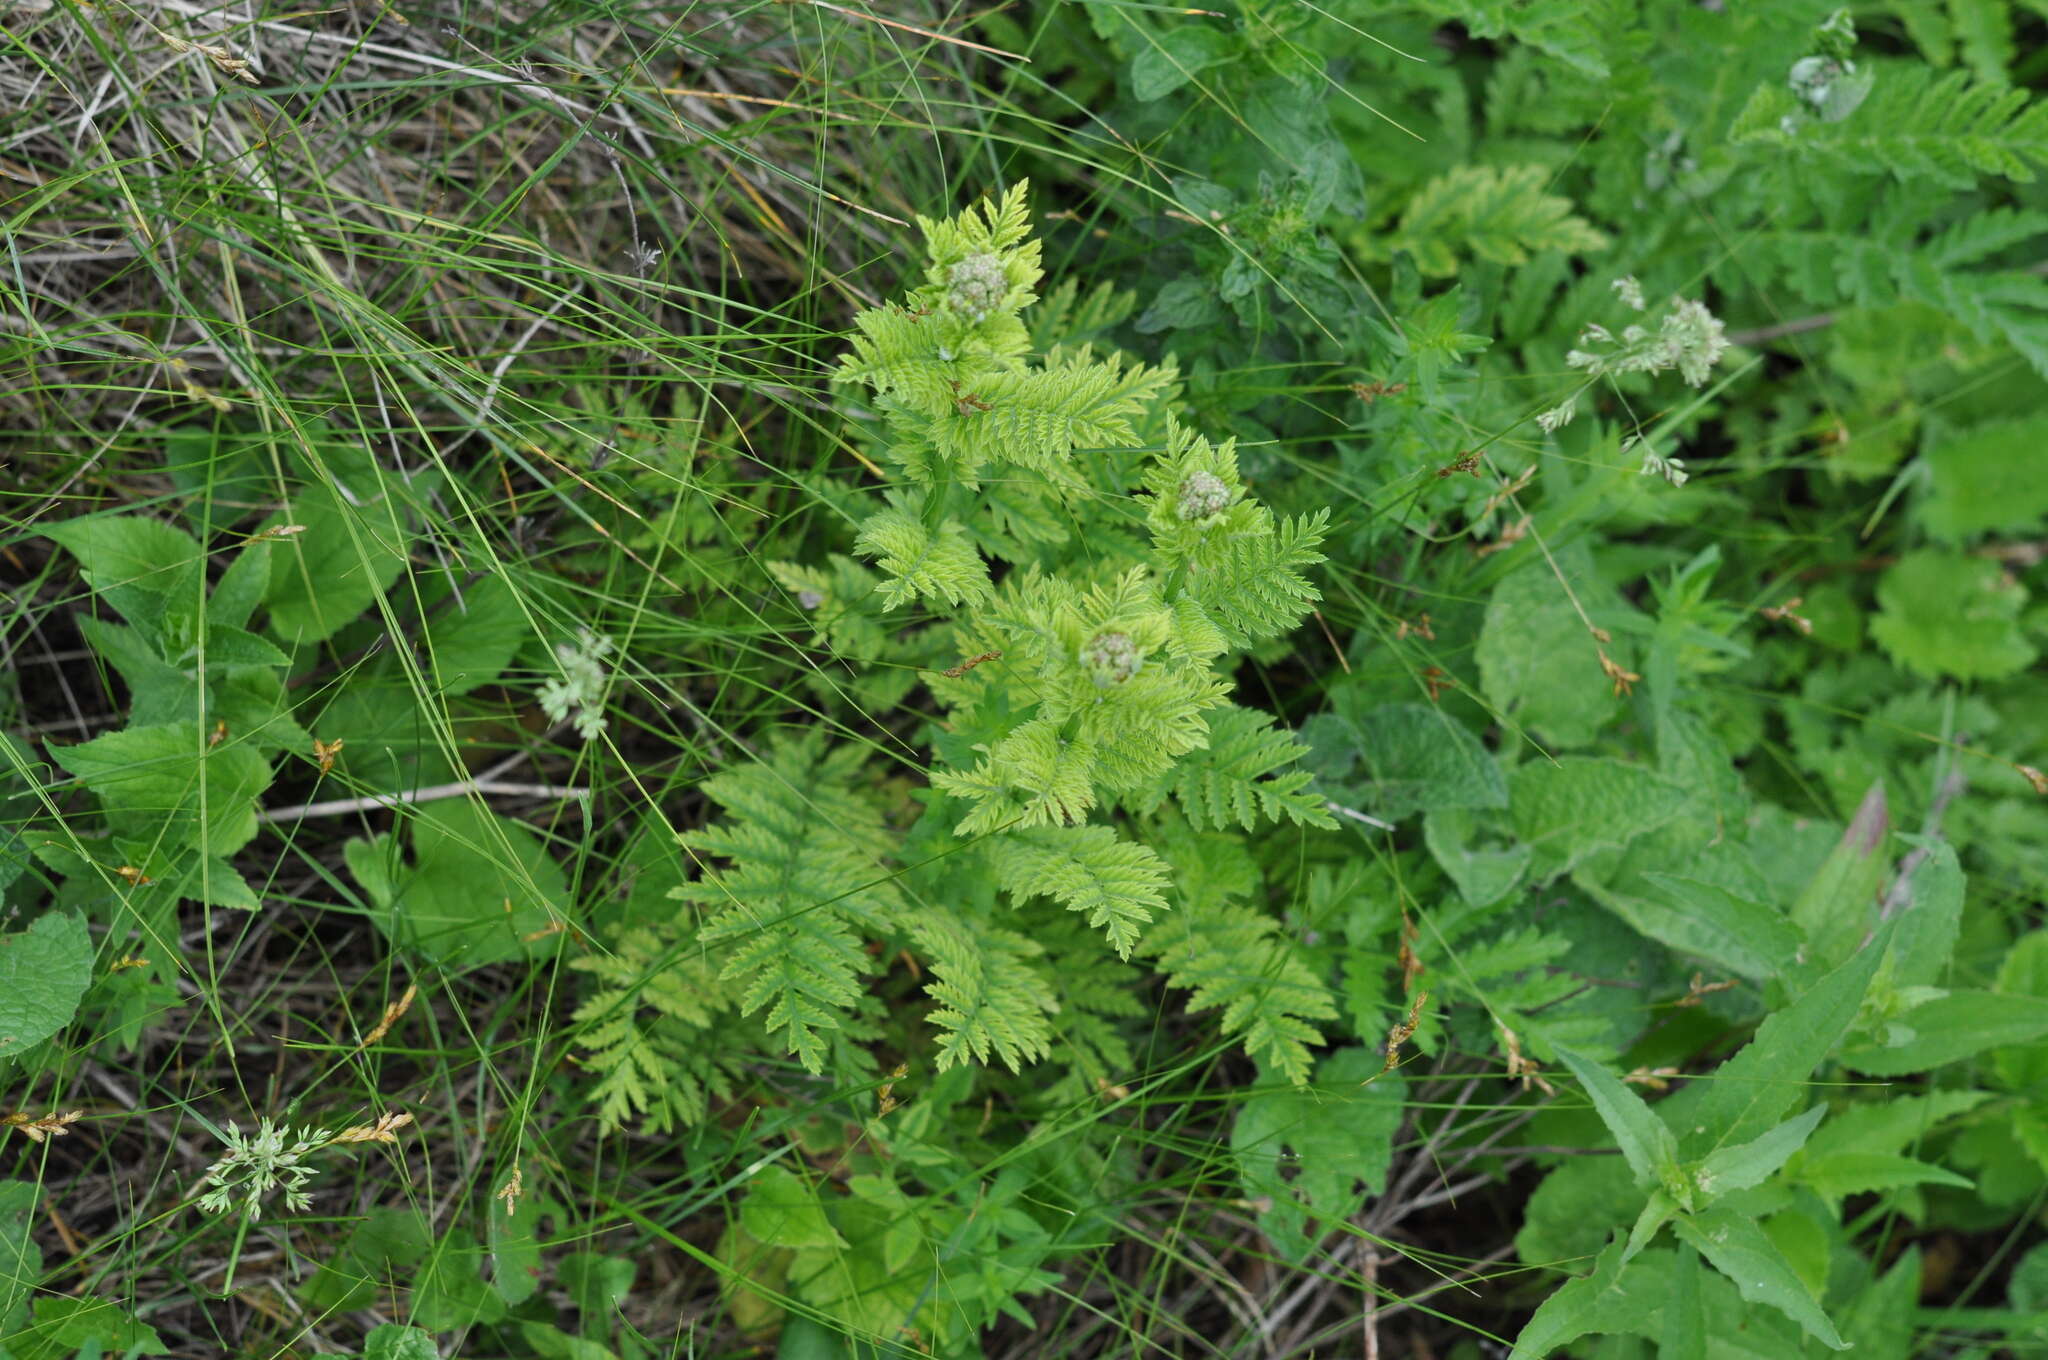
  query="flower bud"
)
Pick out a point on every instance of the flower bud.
point(976, 285)
point(1203, 496)
point(1111, 658)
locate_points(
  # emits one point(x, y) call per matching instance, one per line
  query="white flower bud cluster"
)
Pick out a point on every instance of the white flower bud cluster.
point(1112, 658)
point(976, 285)
point(1202, 496)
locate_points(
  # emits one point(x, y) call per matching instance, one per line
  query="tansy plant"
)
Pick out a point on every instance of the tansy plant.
point(1070, 567)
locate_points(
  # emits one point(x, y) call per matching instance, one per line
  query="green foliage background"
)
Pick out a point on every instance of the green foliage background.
point(727, 731)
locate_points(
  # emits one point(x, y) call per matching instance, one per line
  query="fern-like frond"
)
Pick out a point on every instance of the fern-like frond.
point(1158, 718)
point(1917, 124)
point(1035, 418)
point(991, 226)
point(1502, 215)
point(1231, 957)
point(805, 864)
point(1831, 267)
point(1098, 997)
point(1032, 777)
point(643, 1031)
point(897, 355)
point(804, 969)
point(1116, 884)
point(1241, 775)
point(1064, 316)
point(939, 563)
point(992, 998)
point(1254, 586)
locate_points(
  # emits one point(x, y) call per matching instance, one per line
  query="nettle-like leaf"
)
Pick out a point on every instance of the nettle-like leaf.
point(1411, 758)
point(1864, 1149)
point(1949, 614)
point(1717, 924)
point(44, 973)
point(1756, 1088)
point(1311, 1156)
point(1987, 479)
point(1645, 1141)
point(1831, 265)
point(480, 888)
point(1737, 1246)
point(1537, 663)
point(166, 785)
point(1570, 808)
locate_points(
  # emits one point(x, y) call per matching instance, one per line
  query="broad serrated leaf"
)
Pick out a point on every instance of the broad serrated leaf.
point(1878, 1322)
point(1987, 480)
point(1483, 874)
point(134, 562)
point(166, 785)
point(395, 1341)
point(1616, 1297)
point(1568, 809)
point(1420, 759)
point(1948, 614)
point(1839, 1175)
point(321, 579)
point(44, 972)
point(783, 1210)
point(1175, 57)
point(480, 889)
point(2024, 973)
point(1576, 1207)
point(1537, 666)
point(1838, 904)
point(21, 1260)
point(226, 647)
point(1316, 1152)
point(67, 1326)
point(476, 635)
point(1720, 926)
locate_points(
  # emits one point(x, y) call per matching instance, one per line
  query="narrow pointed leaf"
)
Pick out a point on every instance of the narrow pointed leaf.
point(1643, 1138)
